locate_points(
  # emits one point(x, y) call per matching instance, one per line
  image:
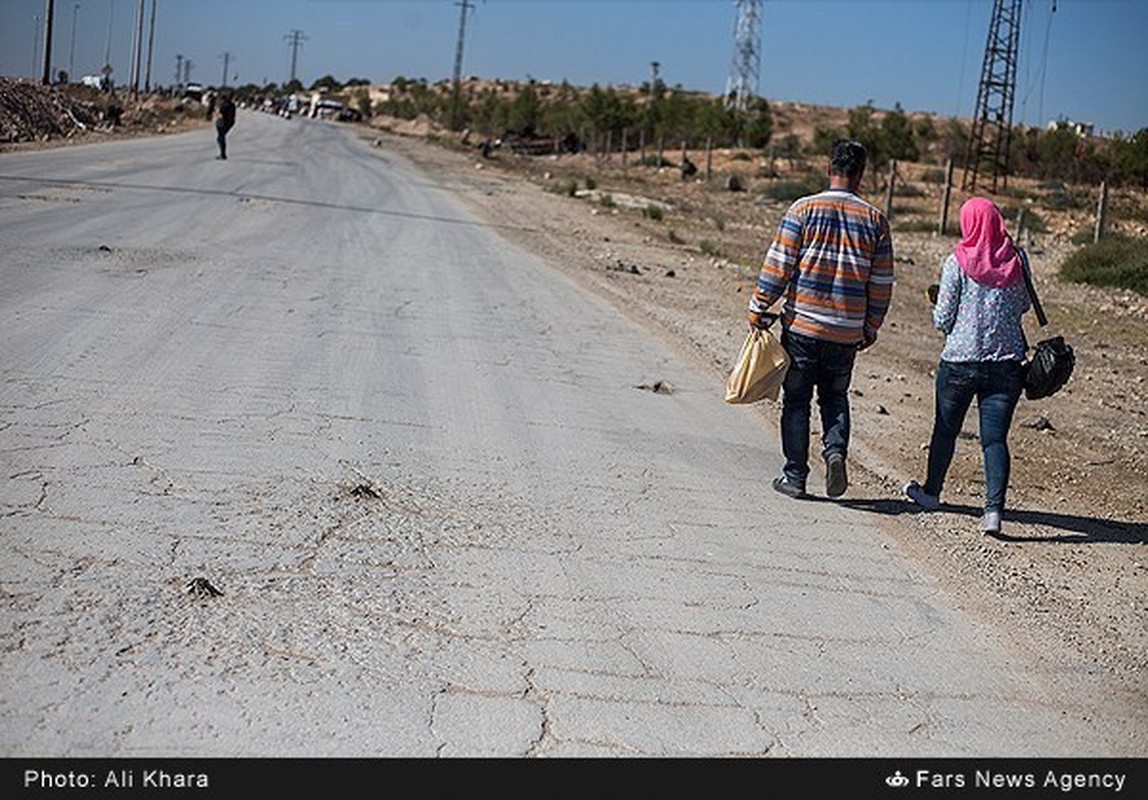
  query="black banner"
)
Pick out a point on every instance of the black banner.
point(753, 777)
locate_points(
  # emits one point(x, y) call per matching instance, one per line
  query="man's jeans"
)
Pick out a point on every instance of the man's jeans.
point(997, 386)
point(828, 368)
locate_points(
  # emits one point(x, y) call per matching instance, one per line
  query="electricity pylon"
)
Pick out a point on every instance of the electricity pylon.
point(991, 134)
point(743, 74)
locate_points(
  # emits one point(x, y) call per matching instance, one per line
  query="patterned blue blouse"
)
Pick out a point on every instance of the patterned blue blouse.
point(980, 323)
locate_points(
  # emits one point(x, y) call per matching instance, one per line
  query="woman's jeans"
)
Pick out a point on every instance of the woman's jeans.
point(828, 368)
point(997, 386)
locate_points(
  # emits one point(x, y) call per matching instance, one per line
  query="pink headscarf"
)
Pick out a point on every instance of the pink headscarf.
point(986, 251)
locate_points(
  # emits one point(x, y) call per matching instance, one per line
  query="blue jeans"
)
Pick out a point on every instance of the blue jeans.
point(997, 386)
point(221, 139)
point(828, 368)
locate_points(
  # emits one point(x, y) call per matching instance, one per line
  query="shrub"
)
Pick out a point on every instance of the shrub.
point(1116, 261)
point(709, 248)
point(788, 191)
point(914, 224)
point(654, 212)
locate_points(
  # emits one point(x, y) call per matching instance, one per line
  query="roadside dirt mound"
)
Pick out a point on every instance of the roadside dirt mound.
point(30, 112)
point(33, 114)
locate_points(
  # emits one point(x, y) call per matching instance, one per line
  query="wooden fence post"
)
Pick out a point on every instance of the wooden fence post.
point(1101, 212)
point(946, 198)
point(889, 189)
point(709, 159)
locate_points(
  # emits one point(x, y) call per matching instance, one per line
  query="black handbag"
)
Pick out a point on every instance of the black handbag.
point(1053, 359)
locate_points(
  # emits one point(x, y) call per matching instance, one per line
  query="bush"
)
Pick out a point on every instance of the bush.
point(788, 191)
point(654, 212)
point(914, 224)
point(1116, 262)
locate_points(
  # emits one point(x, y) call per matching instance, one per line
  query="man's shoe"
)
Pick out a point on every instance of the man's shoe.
point(915, 493)
point(991, 522)
point(782, 484)
point(836, 481)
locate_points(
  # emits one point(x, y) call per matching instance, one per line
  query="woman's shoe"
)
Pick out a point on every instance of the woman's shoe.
point(991, 522)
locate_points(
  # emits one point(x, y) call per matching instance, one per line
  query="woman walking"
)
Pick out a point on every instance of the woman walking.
point(979, 304)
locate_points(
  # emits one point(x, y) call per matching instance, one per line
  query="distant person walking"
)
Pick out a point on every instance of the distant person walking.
point(224, 123)
point(979, 304)
point(832, 262)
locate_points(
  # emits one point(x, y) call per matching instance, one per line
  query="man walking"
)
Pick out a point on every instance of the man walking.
point(225, 123)
point(832, 261)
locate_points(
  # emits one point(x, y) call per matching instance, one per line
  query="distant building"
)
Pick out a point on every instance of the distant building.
point(1084, 130)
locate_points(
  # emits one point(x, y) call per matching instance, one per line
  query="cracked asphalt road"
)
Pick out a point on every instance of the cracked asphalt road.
point(443, 510)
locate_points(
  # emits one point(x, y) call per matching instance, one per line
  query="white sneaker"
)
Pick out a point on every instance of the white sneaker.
point(915, 493)
point(991, 522)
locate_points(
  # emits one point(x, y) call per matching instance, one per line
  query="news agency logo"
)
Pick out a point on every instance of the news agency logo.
point(897, 780)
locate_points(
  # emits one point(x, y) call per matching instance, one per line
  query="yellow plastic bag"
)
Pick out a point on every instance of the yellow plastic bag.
point(760, 369)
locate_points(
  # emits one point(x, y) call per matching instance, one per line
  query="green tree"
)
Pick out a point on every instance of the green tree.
point(525, 113)
point(1130, 159)
point(327, 82)
point(896, 136)
point(756, 124)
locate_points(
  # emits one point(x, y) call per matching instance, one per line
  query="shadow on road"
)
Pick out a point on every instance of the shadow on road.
point(1077, 529)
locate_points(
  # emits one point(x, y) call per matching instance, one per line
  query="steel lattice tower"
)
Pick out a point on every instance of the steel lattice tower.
point(991, 133)
point(743, 74)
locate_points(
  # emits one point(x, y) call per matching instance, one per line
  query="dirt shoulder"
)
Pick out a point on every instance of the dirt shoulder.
point(1067, 573)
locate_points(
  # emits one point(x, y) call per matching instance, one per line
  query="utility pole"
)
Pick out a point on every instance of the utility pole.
point(456, 94)
point(150, 44)
point(106, 70)
point(49, 14)
point(295, 38)
point(226, 62)
point(654, 79)
point(179, 71)
point(137, 47)
point(991, 133)
point(743, 75)
point(35, 44)
point(72, 50)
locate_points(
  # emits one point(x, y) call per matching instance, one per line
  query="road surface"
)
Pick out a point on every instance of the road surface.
point(297, 458)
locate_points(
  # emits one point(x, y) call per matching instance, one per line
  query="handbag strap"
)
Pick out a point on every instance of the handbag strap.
point(1036, 306)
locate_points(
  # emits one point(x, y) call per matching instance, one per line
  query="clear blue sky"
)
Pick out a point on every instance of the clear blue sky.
point(1086, 61)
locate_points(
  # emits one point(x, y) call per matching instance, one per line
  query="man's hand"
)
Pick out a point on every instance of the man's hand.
point(870, 337)
point(762, 320)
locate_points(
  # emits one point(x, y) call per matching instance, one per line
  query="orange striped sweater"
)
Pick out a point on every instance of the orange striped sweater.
point(832, 261)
